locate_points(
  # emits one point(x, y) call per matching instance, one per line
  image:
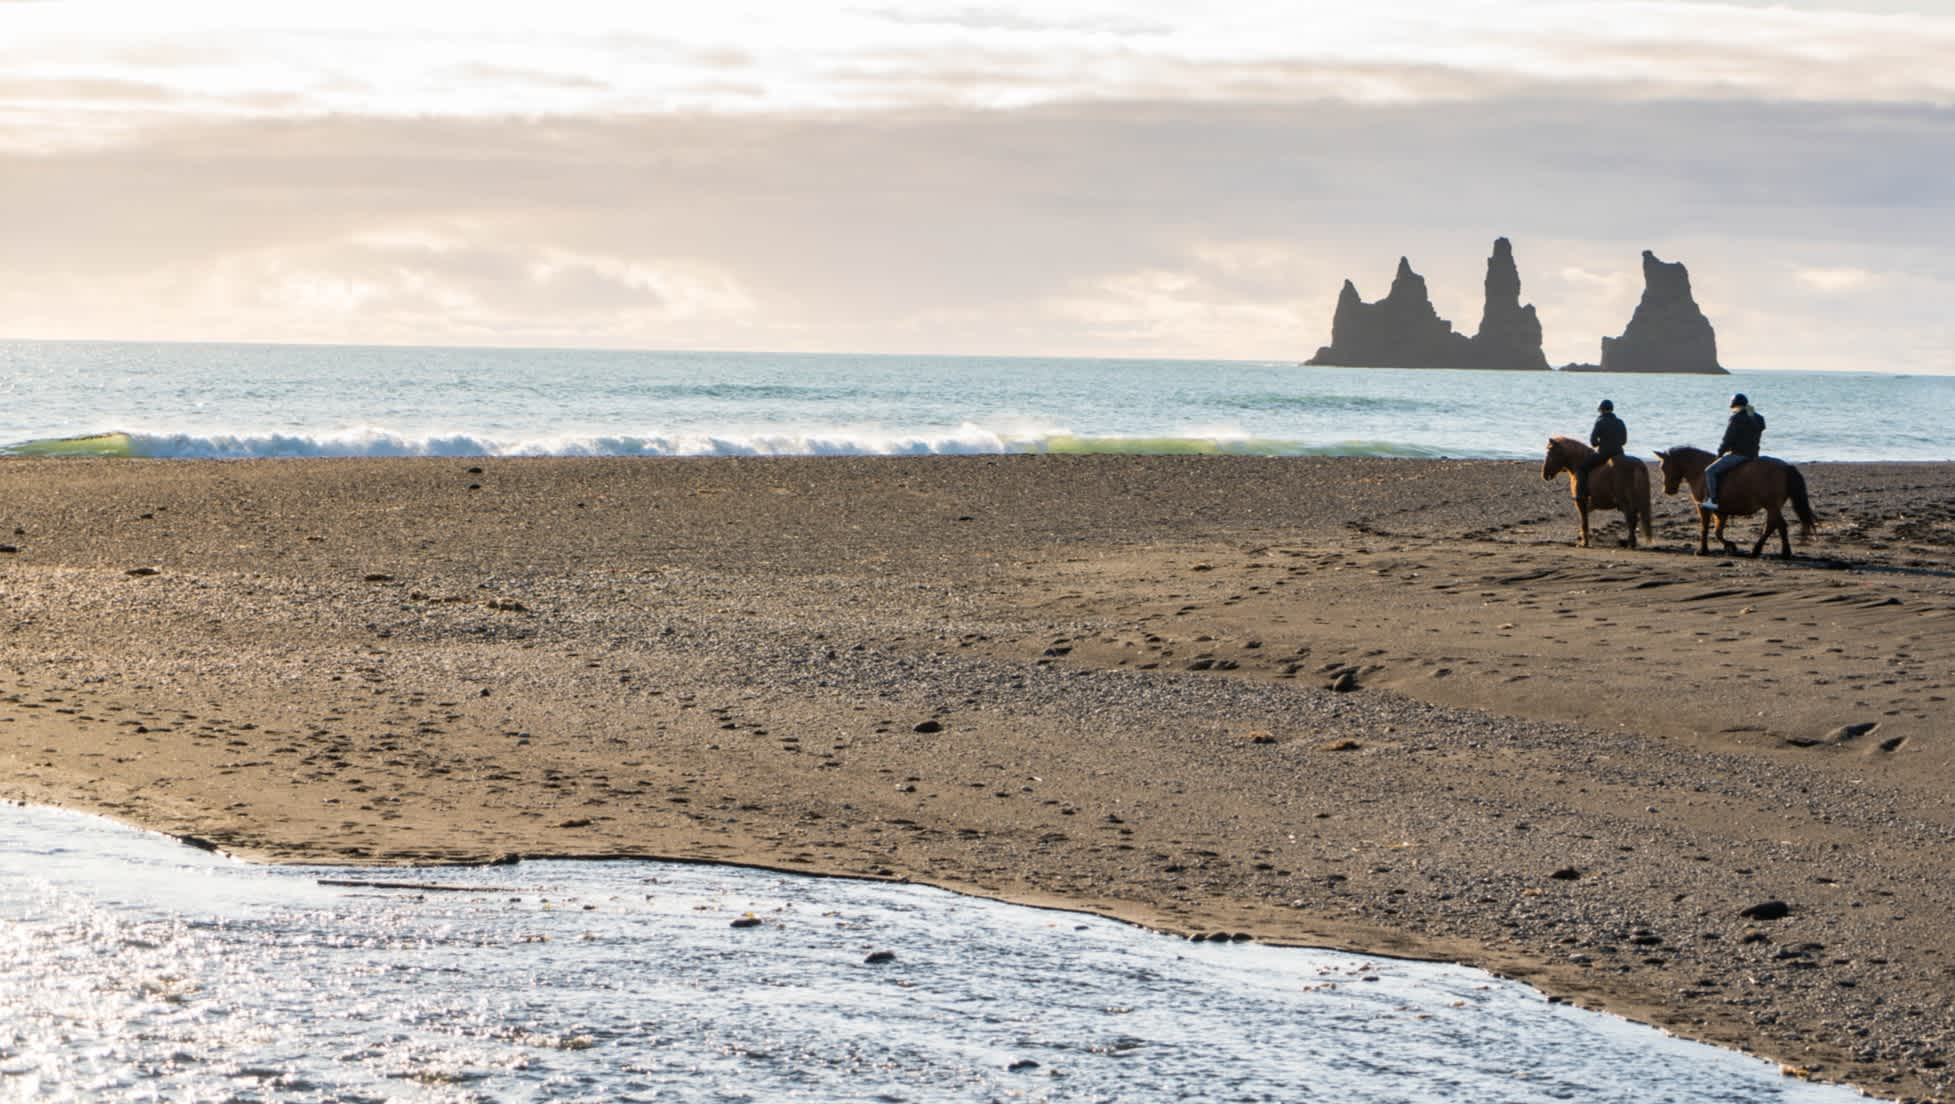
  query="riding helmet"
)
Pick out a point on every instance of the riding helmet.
point(1606, 406)
point(1739, 400)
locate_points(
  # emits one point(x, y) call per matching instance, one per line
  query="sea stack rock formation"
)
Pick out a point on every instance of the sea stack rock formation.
point(1668, 333)
point(1510, 334)
point(1402, 330)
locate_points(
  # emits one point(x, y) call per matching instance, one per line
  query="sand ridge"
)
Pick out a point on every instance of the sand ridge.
point(1286, 697)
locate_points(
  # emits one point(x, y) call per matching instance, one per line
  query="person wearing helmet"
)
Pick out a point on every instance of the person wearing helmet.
point(1740, 443)
point(1607, 438)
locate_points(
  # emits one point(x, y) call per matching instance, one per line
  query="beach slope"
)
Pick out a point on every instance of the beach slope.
point(1360, 703)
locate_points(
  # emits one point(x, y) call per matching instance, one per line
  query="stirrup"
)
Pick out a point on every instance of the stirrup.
point(1709, 504)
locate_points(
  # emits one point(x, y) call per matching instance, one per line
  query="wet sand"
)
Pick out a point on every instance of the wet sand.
point(1369, 704)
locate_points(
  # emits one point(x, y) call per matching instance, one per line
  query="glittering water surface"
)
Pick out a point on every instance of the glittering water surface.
point(135, 968)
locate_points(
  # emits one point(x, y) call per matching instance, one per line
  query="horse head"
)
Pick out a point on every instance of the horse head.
point(1672, 472)
point(1678, 464)
point(1555, 463)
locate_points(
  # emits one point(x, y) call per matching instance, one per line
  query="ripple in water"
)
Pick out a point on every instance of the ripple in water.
point(134, 968)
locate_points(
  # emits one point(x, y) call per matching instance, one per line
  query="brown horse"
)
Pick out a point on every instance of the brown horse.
point(1622, 484)
point(1761, 484)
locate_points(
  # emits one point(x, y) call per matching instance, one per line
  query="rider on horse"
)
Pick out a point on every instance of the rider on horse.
point(1740, 444)
point(1607, 438)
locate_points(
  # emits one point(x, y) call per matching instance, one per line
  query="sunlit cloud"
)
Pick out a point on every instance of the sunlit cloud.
point(1213, 295)
point(579, 58)
point(1835, 280)
point(1166, 313)
point(1000, 17)
point(1073, 177)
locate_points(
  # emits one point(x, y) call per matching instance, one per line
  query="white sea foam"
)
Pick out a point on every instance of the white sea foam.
point(369, 441)
point(964, 440)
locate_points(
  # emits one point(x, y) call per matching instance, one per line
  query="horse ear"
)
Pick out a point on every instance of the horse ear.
point(1663, 455)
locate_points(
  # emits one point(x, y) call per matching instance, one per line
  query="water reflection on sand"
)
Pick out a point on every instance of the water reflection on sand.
point(134, 968)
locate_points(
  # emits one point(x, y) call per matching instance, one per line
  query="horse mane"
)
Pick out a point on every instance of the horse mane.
point(1688, 452)
point(1565, 441)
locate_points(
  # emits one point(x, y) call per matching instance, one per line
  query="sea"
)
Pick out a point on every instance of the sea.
point(135, 968)
point(243, 401)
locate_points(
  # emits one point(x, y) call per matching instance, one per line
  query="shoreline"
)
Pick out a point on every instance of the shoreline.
point(1098, 683)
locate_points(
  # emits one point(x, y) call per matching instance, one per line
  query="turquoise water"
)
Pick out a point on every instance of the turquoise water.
point(264, 400)
point(133, 968)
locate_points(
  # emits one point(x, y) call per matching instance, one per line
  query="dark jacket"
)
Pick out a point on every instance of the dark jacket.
point(1609, 434)
point(1741, 434)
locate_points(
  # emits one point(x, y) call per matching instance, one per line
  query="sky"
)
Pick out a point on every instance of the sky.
point(1062, 178)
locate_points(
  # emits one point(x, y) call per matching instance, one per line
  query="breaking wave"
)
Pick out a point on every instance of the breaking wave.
point(965, 440)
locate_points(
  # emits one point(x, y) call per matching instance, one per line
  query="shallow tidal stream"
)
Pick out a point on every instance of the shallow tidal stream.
point(133, 967)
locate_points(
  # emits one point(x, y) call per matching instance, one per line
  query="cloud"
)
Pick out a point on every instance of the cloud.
point(95, 91)
point(571, 59)
point(1003, 18)
point(514, 75)
point(1835, 280)
point(1152, 229)
point(1171, 312)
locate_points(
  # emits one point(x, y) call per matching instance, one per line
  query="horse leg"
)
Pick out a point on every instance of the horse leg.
point(1723, 519)
point(1623, 498)
point(1785, 533)
point(1703, 531)
point(1581, 508)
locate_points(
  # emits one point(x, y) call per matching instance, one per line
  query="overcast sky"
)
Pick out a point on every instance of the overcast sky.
point(1061, 177)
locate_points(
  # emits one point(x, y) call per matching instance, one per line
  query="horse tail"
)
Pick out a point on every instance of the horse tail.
point(1795, 487)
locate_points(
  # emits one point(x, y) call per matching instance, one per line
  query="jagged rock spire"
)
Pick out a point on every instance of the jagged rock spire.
point(1509, 334)
point(1668, 332)
point(1402, 330)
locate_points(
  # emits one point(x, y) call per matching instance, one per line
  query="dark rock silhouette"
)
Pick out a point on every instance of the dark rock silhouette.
point(1402, 330)
point(1668, 333)
point(1509, 334)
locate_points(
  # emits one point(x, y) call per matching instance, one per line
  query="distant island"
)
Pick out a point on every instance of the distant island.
point(1402, 330)
point(1667, 332)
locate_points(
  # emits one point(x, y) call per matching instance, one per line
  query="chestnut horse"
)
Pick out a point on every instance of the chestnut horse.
point(1761, 484)
point(1623, 484)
